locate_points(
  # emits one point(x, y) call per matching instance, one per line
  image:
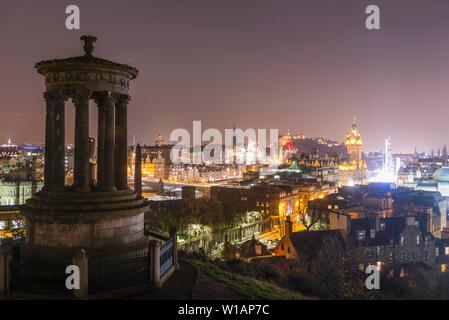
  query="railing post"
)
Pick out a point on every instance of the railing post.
point(174, 236)
point(154, 251)
point(82, 262)
point(5, 272)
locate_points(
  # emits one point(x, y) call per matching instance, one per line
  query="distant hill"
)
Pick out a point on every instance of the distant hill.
point(324, 146)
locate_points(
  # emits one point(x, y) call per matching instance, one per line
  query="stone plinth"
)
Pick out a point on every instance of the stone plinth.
point(90, 221)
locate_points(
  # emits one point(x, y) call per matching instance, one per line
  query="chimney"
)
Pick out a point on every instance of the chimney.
point(288, 227)
point(138, 171)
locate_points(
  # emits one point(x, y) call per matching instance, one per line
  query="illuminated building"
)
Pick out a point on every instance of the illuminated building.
point(285, 139)
point(275, 199)
point(11, 223)
point(9, 150)
point(159, 140)
point(389, 170)
point(389, 165)
point(17, 192)
point(324, 168)
point(19, 183)
point(353, 169)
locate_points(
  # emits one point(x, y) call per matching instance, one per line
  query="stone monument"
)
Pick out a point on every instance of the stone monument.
point(104, 220)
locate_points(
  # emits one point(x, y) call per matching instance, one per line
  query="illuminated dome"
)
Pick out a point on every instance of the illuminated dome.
point(442, 174)
point(353, 137)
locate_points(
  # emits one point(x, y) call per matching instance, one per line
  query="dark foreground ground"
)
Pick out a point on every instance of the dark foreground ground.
point(190, 283)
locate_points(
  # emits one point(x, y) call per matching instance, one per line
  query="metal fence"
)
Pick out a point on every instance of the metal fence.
point(39, 278)
point(118, 271)
point(106, 273)
point(166, 257)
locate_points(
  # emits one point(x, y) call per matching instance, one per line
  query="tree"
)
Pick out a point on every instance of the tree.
point(336, 272)
point(212, 214)
point(308, 216)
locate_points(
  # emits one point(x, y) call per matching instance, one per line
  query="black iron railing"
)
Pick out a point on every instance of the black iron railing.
point(39, 278)
point(166, 257)
point(118, 271)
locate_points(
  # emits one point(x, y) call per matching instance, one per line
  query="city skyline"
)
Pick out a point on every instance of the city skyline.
point(258, 67)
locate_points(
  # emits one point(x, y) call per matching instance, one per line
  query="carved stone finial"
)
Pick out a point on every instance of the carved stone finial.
point(88, 45)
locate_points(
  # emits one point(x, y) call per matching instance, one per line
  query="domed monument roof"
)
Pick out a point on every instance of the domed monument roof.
point(442, 174)
point(87, 72)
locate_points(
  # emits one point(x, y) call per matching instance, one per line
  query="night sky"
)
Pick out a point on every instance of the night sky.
point(310, 66)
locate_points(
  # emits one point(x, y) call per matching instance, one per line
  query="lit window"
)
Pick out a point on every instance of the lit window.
point(443, 268)
point(402, 241)
point(382, 226)
point(418, 237)
point(379, 265)
point(402, 273)
point(372, 233)
point(437, 252)
point(446, 250)
point(361, 235)
point(361, 267)
point(390, 258)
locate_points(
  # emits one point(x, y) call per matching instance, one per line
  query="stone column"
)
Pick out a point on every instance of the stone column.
point(49, 140)
point(154, 253)
point(59, 156)
point(121, 142)
point(81, 261)
point(106, 139)
point(100, 148)
point(55, 140)
point(138, 171)
point(81, 176)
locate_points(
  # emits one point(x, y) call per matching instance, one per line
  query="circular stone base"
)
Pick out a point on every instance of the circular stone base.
point(90, 221)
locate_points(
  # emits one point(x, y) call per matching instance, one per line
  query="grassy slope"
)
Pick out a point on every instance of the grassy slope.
point(246, 286)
